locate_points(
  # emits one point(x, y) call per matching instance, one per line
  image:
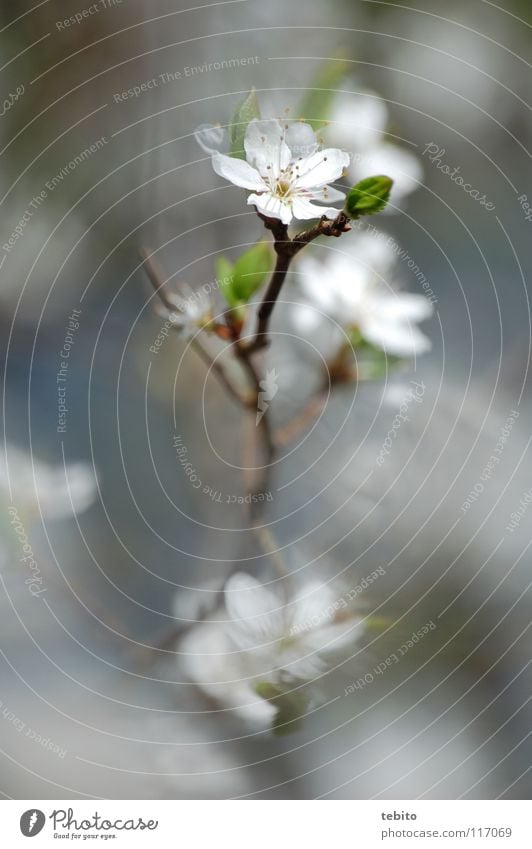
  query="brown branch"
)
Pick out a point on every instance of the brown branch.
point(325, 227)
point(270, 298)
point(263, 428)
point(286, 249)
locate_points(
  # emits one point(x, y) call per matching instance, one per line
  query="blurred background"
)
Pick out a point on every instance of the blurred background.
point(93, 702)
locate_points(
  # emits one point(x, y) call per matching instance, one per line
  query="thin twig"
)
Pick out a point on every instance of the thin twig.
point(157, 279)
point(263, 428)
point(270, 549)
point(307, 415)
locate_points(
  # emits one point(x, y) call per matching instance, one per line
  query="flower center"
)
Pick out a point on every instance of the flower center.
point(283, 188)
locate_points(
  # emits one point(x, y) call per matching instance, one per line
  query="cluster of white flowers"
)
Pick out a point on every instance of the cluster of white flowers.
point(259, 640)
point(351, 291)
point(256, 655)
point(358, 124)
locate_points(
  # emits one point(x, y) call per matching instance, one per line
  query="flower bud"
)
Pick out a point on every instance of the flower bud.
point(369, 197)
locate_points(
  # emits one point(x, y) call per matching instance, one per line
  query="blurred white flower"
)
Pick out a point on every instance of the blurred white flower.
point(285, 170)
point(351, 290)
point(358, 124)
point(192, 310)
point(56, 491)
point(266, 641)
point(212, 138)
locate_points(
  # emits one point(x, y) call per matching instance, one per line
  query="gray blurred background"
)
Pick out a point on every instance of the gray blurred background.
point(83, 665)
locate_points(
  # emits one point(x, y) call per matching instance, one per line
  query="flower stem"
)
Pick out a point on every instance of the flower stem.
point(286, 249)
point(272, 293)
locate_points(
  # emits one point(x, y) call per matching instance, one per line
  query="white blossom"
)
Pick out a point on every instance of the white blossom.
point(358, 124)
point(285, 170)
point(259, 637)
point(55, 491)
point(351, 291)
point(192, 310)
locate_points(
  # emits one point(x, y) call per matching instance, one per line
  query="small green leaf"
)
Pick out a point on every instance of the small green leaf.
point(291, 706)
point(225, 278)
point(251, 270)
point(318, 101)
point(369, 197)
point(243, 114)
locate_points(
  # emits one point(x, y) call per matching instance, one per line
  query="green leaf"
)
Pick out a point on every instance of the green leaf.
point(251, 270)
point(225, 278)
point(243, 114)
point(369, 197)
point(291, 706)
point(318, 101)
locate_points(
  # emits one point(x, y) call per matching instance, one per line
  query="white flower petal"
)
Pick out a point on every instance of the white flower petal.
point(306, 318)
point(302, 664)
point(271, 206)
point(237, 171)
point(406, 307)
point(357, 121)
point(304, 209)
point(401, 340)
point(314, 283)
point(208, 658)
point(266, 149)
point(375, 251)
point(57, 491)
point(332, 637)
point(310, 604)
point(301, 139)
point(329, 195)
point(325, 335)
point(320, 168)
point(212, 138)
point(257, 614)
